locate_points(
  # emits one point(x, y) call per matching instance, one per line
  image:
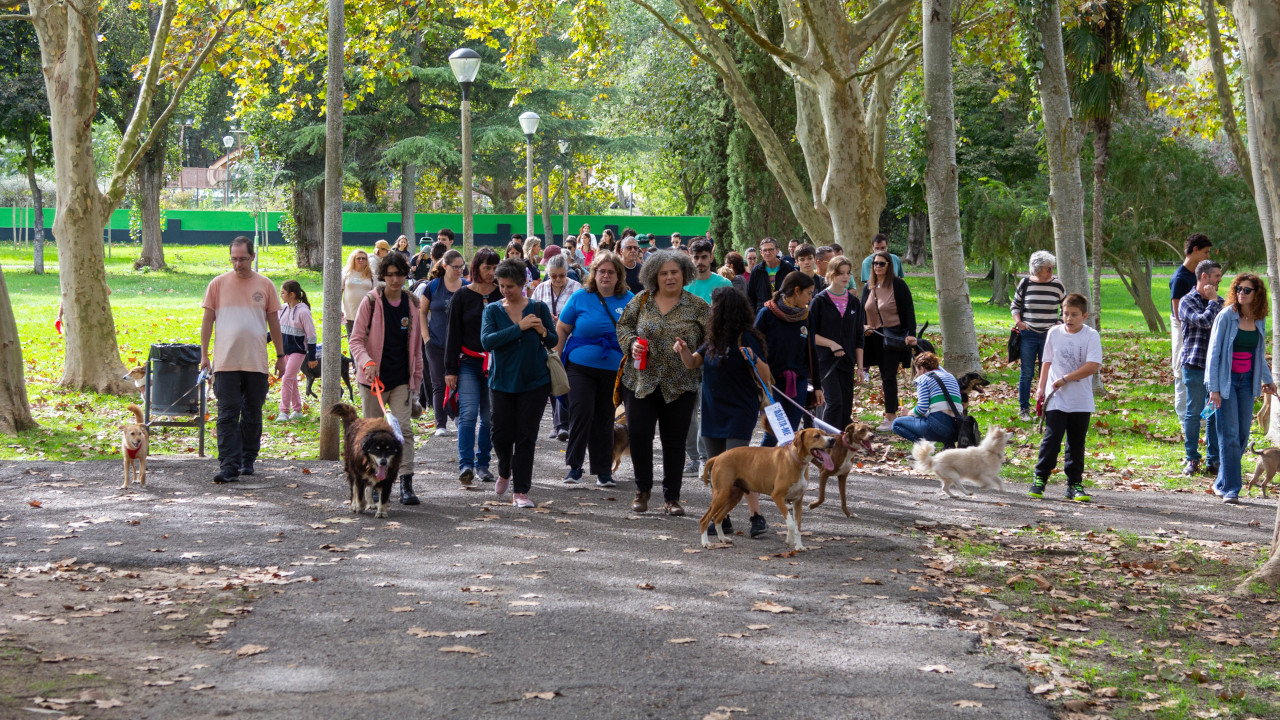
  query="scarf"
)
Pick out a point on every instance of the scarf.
point(785, 312)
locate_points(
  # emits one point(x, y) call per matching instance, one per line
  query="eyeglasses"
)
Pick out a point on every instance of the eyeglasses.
point(1244, 290)
point(627, 248)
point(458, 267)
point(880, 263)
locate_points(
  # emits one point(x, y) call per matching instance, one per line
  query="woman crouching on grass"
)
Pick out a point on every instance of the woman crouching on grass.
point(1235, 373)
point(518, 331)
point(299, 333)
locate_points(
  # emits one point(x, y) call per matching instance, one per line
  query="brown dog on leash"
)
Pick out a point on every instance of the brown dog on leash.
point(779, 472)
point(1268, 464)
point(855, 438)
point(133, 446)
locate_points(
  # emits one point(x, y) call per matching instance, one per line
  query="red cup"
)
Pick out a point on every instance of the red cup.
point(641, 359)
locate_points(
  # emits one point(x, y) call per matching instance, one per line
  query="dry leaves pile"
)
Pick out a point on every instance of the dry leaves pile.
point(1138, 616)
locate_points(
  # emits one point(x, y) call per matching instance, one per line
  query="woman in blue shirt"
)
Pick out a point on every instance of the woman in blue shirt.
point(1236, 373)
point(730, 392)
point(518, 333)
point(589, 345)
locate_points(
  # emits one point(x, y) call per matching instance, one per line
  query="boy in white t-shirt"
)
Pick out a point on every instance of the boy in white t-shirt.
point(1072, 354)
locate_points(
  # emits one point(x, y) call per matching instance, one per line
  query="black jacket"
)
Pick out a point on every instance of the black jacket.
point(759, 290)
point(847, 329)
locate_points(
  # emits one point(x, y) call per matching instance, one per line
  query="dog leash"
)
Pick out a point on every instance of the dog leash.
point(751, 360)
point(204, 375)
point(377, 388)
point(817, 422)
point(1044, 409)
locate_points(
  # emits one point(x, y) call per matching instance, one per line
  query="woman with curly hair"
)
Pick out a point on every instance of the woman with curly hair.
point(730, 399)
point(1235, 373)
point(663, 393)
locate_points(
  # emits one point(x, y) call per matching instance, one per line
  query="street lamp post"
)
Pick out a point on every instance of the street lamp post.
point(227, 141)
point(529, 124)
point(465, 64)
point(564, 150)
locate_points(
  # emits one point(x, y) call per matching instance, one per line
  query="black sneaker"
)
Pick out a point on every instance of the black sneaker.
point(1078, 493)
point(465, 475)
point(484, 475)
point(224, 476)
point(247, 469)
point(726, 526)
point(1211, 470)
point(1190, 467)
point(563, 436)
point(758, 525)
point(1037, 487)
point(574, 477)
point(605, 481)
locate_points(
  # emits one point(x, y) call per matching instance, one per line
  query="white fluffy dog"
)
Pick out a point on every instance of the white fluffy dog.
point(979, 465)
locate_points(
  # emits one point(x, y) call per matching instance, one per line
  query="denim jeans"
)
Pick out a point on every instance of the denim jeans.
point(1196, 396)
point(1234, 418)
point(1031, 346)
point(936, 426)
point(473, 405)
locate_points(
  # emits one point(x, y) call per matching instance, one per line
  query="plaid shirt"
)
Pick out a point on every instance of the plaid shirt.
point(1196, 315)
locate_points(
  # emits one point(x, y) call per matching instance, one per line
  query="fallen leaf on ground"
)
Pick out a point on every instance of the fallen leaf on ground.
point(771, 607)
point(405, 608)
point(575, 549)
point(682, 641)
point(541, 695)
point(935, 669)
point(871, 581)
point(247, 650)
point(460, 649)
point(644, 586)
point(1107, 692)
point(757, 627)
point(984, 686)
point(967, 703)
point(1042, 689)
point(35, 503)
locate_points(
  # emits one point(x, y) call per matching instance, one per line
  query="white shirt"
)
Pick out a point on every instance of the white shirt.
point(1066, 352)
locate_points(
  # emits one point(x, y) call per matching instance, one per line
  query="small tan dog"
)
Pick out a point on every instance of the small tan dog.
point(1268, 463)
point(979, 465)
point(782, 473)
point(133, 447)
point(855, 438)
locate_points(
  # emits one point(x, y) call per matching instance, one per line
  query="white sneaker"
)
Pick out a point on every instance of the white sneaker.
point(283, 417)
point(297, 415)
point(440, 432)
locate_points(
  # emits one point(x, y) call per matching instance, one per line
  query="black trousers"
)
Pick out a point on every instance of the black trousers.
point(1075, 425)
point(671, 420)
point(240, 398)
point(590, 418)
point(837, 395)
point(435, 378)
point(513, 423)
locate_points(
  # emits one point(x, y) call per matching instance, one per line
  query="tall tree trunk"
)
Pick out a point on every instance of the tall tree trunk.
point(548, 230)
point(999, 283)
point(1258, 22)
point(955, 312)
point(1062, 141)
point(37, 201)
point(1101, 154)
point(330, 196)
point(91, 359)
point(1135, 274)
point(15, 411)
point(852, 191)
point(308, 217)
point(150, 174)
point(408, 202)
point(1226, 105)
point(369, 189)
point(917, 238)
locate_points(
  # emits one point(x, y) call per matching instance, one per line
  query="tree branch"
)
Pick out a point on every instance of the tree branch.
point(828, 61)
point(874, 23)
point(758, 38)
point(688, 41)
point(28, 18)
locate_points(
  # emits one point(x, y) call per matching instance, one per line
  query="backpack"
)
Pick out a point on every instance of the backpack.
point(968, 434)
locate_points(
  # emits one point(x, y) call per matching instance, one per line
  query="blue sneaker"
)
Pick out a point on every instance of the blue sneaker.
point(574, 477)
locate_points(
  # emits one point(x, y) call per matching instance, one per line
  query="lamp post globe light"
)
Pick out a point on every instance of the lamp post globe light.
point(564, 150)
point(228, 141)
point(529, 124)
point(465, 64)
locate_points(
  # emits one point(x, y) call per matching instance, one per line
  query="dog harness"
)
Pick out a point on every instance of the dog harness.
point(132, 452)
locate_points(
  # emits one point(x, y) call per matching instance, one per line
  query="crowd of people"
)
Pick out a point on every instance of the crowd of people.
point(681, 349)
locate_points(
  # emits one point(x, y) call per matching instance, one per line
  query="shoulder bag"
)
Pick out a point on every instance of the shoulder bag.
point(1015, 337)
point(968, 434)
point(626, 351)
point(559, 378)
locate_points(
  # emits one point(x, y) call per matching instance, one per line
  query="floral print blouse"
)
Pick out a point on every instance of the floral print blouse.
point(664, 369)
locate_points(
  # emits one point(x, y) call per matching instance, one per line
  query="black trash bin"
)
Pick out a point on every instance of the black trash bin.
point(174, 368)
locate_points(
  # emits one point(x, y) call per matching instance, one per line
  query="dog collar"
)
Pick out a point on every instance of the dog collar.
point(132, 452)
point(795, 454)
point(845, 442)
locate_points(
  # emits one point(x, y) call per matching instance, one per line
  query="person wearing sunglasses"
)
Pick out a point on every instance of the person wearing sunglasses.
point(890, 330)
point(445, 280)
point(385, 347)
point(1236, 373)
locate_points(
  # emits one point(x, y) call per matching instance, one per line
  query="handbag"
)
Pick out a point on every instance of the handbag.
point(1015, 337)
point(968, 434)
point(559, 378)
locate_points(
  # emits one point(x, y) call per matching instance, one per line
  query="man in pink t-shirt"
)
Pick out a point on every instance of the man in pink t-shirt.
point(240, 313)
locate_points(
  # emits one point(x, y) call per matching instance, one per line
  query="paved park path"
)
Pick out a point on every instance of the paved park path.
point(562, 593)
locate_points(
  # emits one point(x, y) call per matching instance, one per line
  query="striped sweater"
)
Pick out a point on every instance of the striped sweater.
point(1039, 303)
point(930, 398)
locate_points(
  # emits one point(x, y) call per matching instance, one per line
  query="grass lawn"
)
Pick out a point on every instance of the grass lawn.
point(1134, 443)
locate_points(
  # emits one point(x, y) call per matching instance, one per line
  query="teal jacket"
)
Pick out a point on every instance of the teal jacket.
point(519, 356)
point(1217, 370)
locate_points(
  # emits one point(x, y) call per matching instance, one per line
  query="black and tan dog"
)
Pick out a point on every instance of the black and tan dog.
point(971, 383)
point(621, 437)
point(134, 447)
point(312, 374)
point(779, 472)
point(855, 438)
point(371, 458)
